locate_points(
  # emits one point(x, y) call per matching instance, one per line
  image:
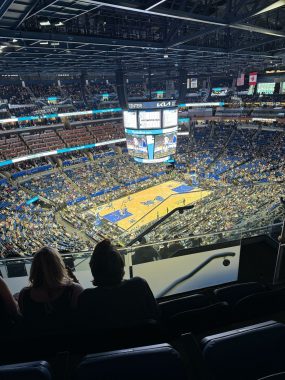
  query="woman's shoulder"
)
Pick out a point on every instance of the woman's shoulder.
point(25, 290)
point(76, 286)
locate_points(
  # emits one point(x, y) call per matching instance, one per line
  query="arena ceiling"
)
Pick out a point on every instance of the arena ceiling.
point(201, 36)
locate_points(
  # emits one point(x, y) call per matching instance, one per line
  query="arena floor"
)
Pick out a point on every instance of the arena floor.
point(138, 209)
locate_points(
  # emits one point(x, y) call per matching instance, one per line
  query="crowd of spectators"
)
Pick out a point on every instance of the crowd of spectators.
point(15, 94)
point(95, 88)
point(26, 227)
point(136, 90)
point(242, 167)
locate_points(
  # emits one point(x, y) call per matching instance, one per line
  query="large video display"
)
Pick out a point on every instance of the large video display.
point(165, 145)
point(137, 146)
point(170, 118)
point(219, 91)
point(151, 130)
point(130, 119)
point(265, 88)
point(150, 119)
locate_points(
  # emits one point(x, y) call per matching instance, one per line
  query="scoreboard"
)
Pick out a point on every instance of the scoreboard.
point(151, 130)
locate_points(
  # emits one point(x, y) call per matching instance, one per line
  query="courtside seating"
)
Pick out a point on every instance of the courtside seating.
point(157, 361)
point(38, 370)
point(247, 353)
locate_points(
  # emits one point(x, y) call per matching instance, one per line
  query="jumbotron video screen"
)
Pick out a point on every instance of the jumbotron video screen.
point(151, 130)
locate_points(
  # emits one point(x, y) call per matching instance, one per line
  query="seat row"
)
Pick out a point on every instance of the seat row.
point(251, 353)
point(225, 306)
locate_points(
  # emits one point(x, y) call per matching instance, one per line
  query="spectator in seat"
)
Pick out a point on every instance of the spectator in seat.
point(115, 302)
point(175, 247)
point(163, 252)
point(52, 295)
point(144, 254)
point(9, 311)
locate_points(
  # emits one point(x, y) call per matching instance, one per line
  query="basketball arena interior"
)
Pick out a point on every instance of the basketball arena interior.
point(142, 198)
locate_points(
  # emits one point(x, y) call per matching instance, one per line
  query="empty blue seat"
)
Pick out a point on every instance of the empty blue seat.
point(157, 361)
point(247, 353)
point(38, 370)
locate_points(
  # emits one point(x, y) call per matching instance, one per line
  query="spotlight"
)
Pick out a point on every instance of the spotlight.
point(44, 43)
point(14, 40)
point(165, 56)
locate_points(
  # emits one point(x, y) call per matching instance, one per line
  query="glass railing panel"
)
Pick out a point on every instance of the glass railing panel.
point(170, 266)
point(181, 265)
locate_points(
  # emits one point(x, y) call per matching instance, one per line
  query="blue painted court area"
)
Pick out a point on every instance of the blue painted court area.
point(117, 215)
point(183, 189)
point(148, 203)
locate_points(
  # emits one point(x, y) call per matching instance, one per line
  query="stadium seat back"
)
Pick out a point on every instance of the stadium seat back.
point(260, 305)
point(38, 370)
point(201, 319)
point(171, 307)
point(233, 293)
point(157, 361)
point(247, 353)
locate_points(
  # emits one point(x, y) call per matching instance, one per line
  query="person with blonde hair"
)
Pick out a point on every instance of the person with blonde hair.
point(52, 293)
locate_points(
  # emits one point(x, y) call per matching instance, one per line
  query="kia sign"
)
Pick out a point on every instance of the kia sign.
point(150, 105)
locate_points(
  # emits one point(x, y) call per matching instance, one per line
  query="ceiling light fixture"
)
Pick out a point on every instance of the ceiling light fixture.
point(44, 43)
point(45, 23)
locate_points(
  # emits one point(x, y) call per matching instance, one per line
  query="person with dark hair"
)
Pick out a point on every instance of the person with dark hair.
point(144, 254)
point(52, 295)
point(115, 302)
point(9, 312)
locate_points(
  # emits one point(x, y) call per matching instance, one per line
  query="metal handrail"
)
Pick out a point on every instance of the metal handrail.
point(158, 222)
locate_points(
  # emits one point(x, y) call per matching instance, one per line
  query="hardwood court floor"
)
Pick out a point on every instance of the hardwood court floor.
point(138, 209)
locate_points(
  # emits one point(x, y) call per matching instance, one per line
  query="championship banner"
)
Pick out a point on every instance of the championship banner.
point(240, 80)
point(252, 79)
point(194, 82)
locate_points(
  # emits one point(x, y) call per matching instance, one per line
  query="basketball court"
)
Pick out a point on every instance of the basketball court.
point(136, 210)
